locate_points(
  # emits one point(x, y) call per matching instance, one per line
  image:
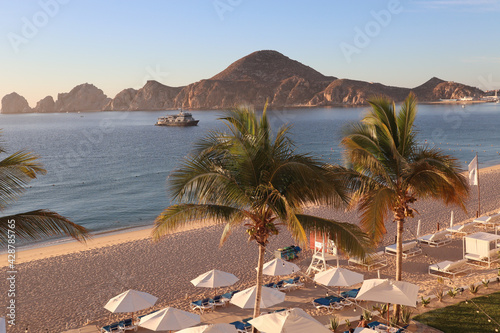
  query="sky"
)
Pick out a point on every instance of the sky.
point(50, 46)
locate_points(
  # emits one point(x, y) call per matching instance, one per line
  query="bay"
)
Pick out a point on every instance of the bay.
point(108, 170)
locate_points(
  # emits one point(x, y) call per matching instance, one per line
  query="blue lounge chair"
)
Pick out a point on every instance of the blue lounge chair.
point(202, 305)
point(241, 327)
point(113, 328)
point(270, 285)
point(219, 300)
point(294, 283)
point(330, 303)
point(373, 324)
point(128, 325)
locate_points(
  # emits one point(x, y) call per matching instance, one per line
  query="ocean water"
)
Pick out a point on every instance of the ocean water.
point(108, 170)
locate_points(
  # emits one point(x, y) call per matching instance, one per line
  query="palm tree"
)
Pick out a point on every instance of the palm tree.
point(242, 177)
point(391, 171)
point(16, 171)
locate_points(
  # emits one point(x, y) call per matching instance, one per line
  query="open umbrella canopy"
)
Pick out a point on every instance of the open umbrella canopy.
point(278, 266)
point(214, 279)
point(130, 301)
point(364, 330)
point(290, 321)
point(245, 299)
point(2, 325)
point(338, 277)
point(389, 291)
point(169, 319)
point(213, 328)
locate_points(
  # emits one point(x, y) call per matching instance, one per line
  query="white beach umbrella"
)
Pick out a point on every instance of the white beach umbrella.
point(245, 299)
point(2, 325)
point(389, 291)
point(169, 319)
point(212, 328)
point(130, 301)
point(214, 279)
point(364, 330)
point(418, 227)
point(290, 321)
point(451, 220)
point(278, 267)
point(338, 277)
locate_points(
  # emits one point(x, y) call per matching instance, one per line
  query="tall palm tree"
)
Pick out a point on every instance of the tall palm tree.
point(242, 176)
point(16, 171)
point(392, 171)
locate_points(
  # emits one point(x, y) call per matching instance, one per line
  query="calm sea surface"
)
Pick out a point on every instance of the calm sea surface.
point(108, 170)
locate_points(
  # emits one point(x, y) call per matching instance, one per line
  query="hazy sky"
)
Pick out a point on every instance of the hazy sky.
point(50, 46)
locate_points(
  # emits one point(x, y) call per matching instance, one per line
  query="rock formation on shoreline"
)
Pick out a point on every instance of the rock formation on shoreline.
point(15, 103)
point(259, 77)
point(84, 97)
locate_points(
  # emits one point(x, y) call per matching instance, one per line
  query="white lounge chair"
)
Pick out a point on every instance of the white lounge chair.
point(410, 249)
point(448, 268)
point(437, 239)
point(374, 261)
point(488, 221)
point(462, 229)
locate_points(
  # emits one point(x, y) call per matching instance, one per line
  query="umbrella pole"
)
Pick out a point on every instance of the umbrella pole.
point(388, 314)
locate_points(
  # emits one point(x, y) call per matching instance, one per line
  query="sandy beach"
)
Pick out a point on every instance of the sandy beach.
point(65, 286)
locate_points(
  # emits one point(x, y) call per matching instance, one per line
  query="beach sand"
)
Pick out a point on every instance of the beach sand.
point(65, 286)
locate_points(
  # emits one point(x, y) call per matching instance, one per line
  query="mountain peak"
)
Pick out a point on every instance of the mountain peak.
point(268, 66)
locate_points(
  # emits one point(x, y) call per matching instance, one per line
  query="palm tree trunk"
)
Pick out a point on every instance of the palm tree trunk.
point(399, 259)
point(260, 278)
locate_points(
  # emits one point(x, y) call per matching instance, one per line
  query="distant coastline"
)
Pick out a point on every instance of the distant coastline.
point(259, 78)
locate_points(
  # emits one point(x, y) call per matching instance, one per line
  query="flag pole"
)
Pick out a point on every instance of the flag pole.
point(478, 191)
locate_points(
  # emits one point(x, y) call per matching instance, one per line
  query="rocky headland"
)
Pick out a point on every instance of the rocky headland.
point(259, 77)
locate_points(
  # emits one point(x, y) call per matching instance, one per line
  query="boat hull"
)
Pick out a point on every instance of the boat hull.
point(179, 124)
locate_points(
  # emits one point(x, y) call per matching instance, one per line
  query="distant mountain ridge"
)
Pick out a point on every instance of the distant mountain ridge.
point(253, 79)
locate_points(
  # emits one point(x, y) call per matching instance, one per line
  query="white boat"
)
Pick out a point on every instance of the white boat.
point(180, 119)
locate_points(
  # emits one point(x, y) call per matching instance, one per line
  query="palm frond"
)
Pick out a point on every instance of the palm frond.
point(176, 216)
point(37, 224)
point(350, 239)
point(16, 171)
point(375, 207)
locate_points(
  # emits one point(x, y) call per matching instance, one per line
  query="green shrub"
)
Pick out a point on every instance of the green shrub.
point(473, 288)
point(440, 295)
point(406, 315)
point(334, 323)
point(367, 314)
point(425, 301)
point(452, 293)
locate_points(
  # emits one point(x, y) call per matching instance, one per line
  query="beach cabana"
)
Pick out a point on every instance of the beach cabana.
point(481, 247)
point(290, 321)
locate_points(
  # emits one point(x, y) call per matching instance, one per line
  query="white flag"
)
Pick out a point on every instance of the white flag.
point(473, 172)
